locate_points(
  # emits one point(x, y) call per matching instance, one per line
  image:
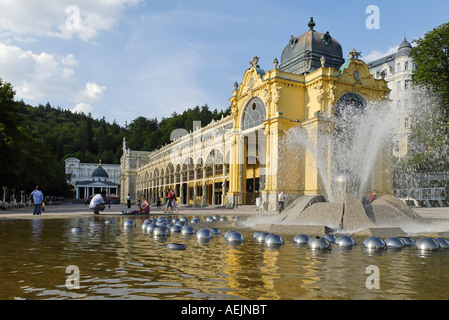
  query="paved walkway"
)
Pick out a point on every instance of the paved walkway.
point(66, 210)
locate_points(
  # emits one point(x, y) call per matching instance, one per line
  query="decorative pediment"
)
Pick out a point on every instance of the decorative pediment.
point(356, 71)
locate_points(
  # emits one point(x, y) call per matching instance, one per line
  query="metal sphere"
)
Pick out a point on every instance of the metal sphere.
point(215, 231)
point(129, 223)
point(223, 219)
point(161, 223)
point(226, 235)
point(301, 239)
point(174, 220)
point(427, 244)
point(185, 219)
point(444, 244)
point(187, 230)
point(394, 243)
point(176, 246)
point(195, 220)
point(146, 223)
point(329, 237)
point(374, 243)
point(77, 229)
point(273, 240)
point(255, 234)
point(408, 242)
point(216, 217)
point(161, 232)
point(175, 229)
point(204, 233)
point(319, 243)
point(180, 223)
point(235, 237)
point(150, 227)
point(345, 241)
point(109, 222)
point(210, 219)
point(261, 236)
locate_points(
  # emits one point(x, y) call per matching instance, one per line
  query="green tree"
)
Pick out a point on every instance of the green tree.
point(431, 55)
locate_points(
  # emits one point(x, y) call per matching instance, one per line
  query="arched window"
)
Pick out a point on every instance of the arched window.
point(348, 99)
point(254, 114)
point(406, 66)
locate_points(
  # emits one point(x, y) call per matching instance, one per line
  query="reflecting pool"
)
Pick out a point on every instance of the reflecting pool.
point(38, 256)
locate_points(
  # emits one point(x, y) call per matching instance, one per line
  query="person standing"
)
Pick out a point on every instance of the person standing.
point(97, 202)
point(38, 198)
point(174, 202)
point(128, 200)
point(158, 201)
point(281, 199)
point(169, 201)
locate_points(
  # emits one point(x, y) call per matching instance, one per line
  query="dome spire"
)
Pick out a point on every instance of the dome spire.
point(311, 24)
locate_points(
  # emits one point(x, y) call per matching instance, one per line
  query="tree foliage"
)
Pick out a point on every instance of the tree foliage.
point(35, 141)
point(431, 55)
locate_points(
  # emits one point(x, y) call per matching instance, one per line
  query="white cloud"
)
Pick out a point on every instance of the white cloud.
point(69, 60)
point(82, 107)
point(92, 92)
point(39, 77)
point(36, 76)
point(56, 18)
point(374, 55)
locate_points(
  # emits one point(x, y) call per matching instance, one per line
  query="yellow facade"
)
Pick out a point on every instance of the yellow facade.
point(240, 155)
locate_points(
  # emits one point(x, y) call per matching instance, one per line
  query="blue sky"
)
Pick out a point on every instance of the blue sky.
point(128, 58)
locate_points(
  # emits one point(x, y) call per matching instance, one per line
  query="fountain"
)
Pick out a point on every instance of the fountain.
point(352, 151)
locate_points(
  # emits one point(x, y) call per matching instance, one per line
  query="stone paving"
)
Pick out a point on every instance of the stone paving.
point(67, 210)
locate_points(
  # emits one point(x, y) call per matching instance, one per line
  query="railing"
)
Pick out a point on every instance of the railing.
point(426, 176)
point(428, 196)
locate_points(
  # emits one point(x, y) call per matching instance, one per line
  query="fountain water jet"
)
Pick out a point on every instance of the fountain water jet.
point(352, 149)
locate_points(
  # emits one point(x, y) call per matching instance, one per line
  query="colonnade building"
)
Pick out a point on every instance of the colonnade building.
point(238, 160)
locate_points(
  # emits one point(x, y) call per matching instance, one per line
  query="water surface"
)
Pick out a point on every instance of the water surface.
point(115, 262)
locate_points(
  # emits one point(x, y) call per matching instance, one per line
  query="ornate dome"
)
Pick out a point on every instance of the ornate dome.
point(99, 172)
point(404, 48)
point(303, 53)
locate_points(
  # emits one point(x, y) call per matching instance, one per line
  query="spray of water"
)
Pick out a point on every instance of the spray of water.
point(354, 142)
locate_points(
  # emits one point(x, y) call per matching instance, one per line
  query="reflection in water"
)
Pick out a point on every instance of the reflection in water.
point(119, 263)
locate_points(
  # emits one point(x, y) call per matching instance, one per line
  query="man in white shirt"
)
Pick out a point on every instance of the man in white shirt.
point(97, 202)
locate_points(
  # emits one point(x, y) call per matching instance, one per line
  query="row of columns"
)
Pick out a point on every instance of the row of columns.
point(90, 191)
point(196, 181)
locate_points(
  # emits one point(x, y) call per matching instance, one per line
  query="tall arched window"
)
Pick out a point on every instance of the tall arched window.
point(348, 99)
point(254, 114)
point(406, 66)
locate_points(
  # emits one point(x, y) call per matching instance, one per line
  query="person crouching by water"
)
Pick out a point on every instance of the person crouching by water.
point(97, 203)
point(143, 209)
point(373, 196)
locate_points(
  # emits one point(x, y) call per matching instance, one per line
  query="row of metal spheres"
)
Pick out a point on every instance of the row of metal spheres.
point(324, 242)
point(163, 227)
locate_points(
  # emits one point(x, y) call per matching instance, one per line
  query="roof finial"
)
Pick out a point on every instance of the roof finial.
point(311, 23)
point(99, 163)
